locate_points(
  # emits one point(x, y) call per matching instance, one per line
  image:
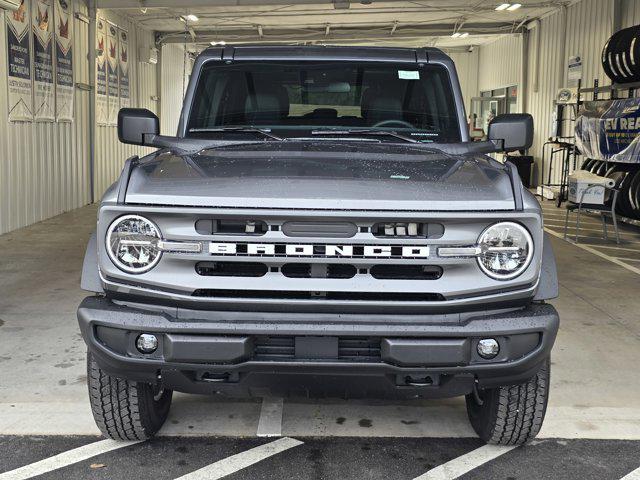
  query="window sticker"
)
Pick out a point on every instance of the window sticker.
point(408, 75)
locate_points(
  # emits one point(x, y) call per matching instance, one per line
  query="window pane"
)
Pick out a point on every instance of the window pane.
point(287, 96)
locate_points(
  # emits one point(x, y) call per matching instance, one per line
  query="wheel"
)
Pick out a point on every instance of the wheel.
point(634, 193)
point(125, 410)
point(511, 415)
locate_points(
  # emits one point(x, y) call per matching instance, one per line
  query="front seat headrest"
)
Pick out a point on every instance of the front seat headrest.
point(377, 108)
point(268, 105)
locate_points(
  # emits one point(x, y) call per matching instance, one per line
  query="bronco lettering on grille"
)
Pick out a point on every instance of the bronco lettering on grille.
point(318, 250)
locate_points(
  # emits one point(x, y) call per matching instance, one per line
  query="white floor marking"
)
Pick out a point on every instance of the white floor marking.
point(635, 475)
point(459, 466)
point(63, 459)
point(572, 220)
point(596, 252)
point(610, 229)
point(615, 247)
point(241, 460)
point(270, 423)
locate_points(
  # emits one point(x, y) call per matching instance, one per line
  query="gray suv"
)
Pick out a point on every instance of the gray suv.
point(320, 225)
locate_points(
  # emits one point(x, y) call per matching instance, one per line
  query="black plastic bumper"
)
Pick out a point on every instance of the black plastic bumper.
point(254, 353)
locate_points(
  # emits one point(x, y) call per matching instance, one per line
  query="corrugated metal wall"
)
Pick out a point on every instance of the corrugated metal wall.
point(500, 63)
point(545, 65)
point(467, 68)
point(630, 13)
point(44, 165)
point(110, 154)
point(174, 72)
point(583, 30)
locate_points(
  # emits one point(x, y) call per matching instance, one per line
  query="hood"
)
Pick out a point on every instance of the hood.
point(322, 175)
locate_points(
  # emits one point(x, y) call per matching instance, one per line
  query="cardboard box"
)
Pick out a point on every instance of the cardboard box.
point(580, 180)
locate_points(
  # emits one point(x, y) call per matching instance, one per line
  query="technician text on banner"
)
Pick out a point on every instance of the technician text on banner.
point(42, 23)
point(64, 60)
point(112, 74)
point(101, 72)
point(125, 99)
point(20, 95)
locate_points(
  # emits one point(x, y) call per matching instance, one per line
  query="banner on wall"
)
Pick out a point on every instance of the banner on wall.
point(20, 96)
point(610, 130)
point(64, 60)
point(43, 92)
point(101, 72)
point(123, 57)
point(113, 100)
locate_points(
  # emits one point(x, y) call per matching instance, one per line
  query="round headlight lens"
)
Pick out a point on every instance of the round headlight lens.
point(132, 243)
point(506, 250)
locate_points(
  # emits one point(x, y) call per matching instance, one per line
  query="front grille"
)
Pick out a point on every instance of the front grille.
point(231, 269)
point(318, 270)
point(214, 226)
point(406, 272)
point(407, 229)
point(302, 295)
point(352, 349)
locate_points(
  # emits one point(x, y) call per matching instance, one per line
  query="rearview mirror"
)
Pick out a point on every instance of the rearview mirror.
point(514, 131)
point(135, 124)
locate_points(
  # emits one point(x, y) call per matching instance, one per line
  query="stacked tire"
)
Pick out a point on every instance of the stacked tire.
point(621, 56)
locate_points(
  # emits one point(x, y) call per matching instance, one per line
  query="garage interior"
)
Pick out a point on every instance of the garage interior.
point(55, 167)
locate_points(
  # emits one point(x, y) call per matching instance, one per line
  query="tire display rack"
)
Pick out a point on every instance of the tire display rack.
point(621, 62)
point(563, 149)
point(625, 175)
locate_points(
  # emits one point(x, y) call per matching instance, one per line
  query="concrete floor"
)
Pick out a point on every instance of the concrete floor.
point(595, 389)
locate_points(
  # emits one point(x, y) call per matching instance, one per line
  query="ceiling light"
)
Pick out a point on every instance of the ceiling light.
point(221, 42)
point(456, 34)
point(515, 6)
point(190, 18)
point(464, 35)
point(503, 6)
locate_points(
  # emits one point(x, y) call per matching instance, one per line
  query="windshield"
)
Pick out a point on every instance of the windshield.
point(294, 99)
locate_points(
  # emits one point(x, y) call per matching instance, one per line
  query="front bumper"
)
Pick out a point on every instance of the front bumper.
point(261, 353)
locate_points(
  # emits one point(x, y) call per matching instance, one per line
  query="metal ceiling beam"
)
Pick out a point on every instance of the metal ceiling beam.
point(309, 34)
point(124, 4)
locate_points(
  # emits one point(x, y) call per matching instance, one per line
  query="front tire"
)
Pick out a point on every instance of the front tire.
point(125, 410)
point(512, 414)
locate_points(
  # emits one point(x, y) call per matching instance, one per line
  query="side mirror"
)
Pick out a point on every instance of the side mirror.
point(134, 124)
point(512, 131)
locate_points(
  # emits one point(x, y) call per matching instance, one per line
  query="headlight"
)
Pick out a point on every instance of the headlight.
point(132, 243)
point(506, 250)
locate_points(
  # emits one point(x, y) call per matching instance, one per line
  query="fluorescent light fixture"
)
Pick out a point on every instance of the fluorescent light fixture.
point(464, 35)
point(456, 35)
point(503, 6)
point(190, 18)
point(514, 6)
point(221, 42)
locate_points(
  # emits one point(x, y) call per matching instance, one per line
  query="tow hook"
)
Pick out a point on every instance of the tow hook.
point(476, 394)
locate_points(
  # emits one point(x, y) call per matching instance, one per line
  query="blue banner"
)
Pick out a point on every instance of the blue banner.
point(610, 130)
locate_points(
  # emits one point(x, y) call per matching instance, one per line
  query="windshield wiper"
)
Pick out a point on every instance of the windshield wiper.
point(365, 132)
point(236, 129)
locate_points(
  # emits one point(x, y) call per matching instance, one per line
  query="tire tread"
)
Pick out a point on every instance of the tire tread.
point(115, 404)
point(514, 413)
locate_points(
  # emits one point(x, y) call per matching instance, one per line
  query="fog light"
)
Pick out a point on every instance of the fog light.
point(147, 343)
point(488, 348)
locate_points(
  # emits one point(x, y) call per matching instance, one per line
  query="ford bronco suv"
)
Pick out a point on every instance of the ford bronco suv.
point(320, 225)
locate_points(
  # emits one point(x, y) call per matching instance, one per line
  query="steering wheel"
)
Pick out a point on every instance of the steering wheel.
point(386, 123)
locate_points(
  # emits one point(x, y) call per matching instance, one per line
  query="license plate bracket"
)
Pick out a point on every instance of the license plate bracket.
point(316, 347)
